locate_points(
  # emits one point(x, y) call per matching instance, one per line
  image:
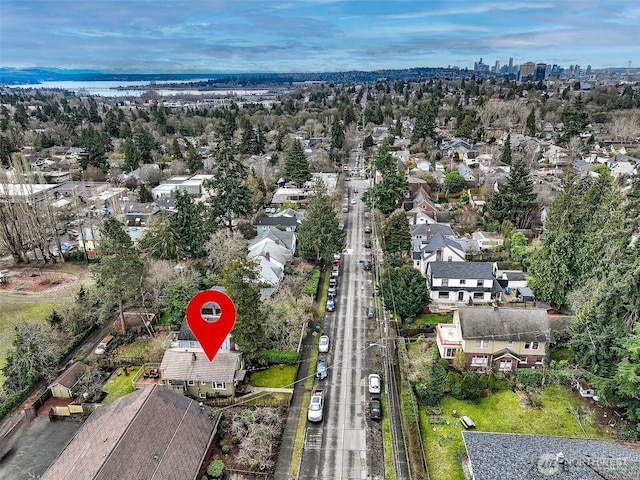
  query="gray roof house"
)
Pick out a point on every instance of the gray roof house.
point(286, 239)
point(538, 457)
point(188, 371)
point(150, 434)
point(461, 282)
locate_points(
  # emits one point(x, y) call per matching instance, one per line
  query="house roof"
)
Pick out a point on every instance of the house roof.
point(510, 324)
point(275, 221)
point(474, 270)
point(431, 229)
point(179, 364)
point(151, 434)
point(533, 457)
point(271, 249)
point(286, 239)
point(71, 375)
point(438, 242)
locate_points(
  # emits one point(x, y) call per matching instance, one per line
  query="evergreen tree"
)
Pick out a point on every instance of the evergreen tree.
point(194, 159)
point(396, 236)
point(296, 166)
point(425, 123)
point(240, 279)
point(120, 272)
point(515, 201)
point(505, 157)
point(131, 155)
point(191, 224)
point(230, 196)
point(319, 236)
point(405, 291)
point(531, 123)
point(145, 143)
point(144, 194)
point(94, 153)
point(337, 134)
point(160, 240)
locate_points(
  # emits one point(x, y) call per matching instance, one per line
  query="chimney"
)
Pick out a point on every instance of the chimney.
point(267, 255)
point(193, 356)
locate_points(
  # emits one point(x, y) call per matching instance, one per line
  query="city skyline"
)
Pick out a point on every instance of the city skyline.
point(144, 36)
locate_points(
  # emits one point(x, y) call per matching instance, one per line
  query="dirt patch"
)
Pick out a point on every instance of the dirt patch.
point(37, 279)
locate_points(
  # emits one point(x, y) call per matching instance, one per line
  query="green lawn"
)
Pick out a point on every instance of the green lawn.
point(280, 376)
point(430, 319)
point(501, 412)
point(119, 385)
point(135, 349)
point(12, 312)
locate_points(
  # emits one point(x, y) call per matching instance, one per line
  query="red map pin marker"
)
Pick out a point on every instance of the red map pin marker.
point(211, 335)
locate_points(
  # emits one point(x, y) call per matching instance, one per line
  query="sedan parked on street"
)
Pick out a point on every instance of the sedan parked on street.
point(374, 383)
point(323, 346)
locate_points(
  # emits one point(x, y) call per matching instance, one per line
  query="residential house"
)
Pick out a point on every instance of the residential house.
point(288, 224)
point(461, 282)
point(65, 385)
point(185, 338)
point(499, 338)
point(488, 240)
point(286, 239)
point(188, 371)
point(512, 456)
point(271, 251)
point(477, 199)
point(150, 433)
point(139, 214)
point(437, 248)
point(466, 173)
point(422, 232)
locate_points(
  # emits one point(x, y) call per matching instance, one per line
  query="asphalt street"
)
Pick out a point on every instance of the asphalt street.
point(347, 444)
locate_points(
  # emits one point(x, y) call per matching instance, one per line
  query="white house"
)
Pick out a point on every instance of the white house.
point(488, 240)
point(461, 282)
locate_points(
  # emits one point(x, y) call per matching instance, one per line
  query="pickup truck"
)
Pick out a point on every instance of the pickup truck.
point(316, 406)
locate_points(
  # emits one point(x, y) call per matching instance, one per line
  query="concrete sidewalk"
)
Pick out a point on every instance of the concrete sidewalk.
point(293, 415)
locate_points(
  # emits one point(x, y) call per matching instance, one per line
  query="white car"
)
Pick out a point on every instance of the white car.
point(374, 383)
point(323, 346)
point(353, 201)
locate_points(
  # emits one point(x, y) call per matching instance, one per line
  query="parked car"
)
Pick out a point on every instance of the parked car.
point(335, 272)
point(353, 201)
point(367, 229)
point(66, 247)
point(333, 282)
point(323, 346)
point(331, 304)
point(336, 256)
point(321, 369)
point(333, 291)
point(367, 265)
point(375, 408)
point(374, 383)
point(104, 344)
point(371, 312)
point(367, 244)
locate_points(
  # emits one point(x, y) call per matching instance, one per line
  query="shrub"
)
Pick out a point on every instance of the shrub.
point(12, 402)
point(311, 287)
point(279, 357)
point(215, 469)
point(529, 377)
point(472, 386)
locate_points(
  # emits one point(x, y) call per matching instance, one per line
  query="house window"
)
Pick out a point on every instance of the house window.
point(524, 360)
point(481, 283)
point(445, 282)
point(219, 385)
point(509, 344)
point(443, 294)
point(191, 383)
point(450, 352)
point(449, 259)
point(478, 295)
point(482, 343)
point(505, 366)
point(202, 395)
point(192, 344)
point(531, 346)
point(203, 383)
point(463, 281)
point(478, 361)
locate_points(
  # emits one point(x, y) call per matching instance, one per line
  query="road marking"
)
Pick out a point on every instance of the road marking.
point(313, 440)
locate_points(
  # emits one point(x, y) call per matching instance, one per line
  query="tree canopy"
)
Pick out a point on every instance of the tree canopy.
point(515, 201)
point(405, 291)
point(296, 166)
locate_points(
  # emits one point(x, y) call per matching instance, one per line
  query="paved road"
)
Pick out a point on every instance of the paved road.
point(347, 444)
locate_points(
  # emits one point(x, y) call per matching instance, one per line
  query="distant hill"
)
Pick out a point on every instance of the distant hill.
point(13, 76)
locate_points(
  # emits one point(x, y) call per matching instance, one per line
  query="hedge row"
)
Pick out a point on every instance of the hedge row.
point(279, 357)
point(311, 287)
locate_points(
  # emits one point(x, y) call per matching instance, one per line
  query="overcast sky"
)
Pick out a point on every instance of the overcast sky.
point(221, 36)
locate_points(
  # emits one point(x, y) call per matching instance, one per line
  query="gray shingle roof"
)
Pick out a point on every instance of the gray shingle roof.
point(151, 434)
point(426, 229)
point(275, 221)
point(178, 364)
point(286, 239)
point(472, 270)
point(516, 324)
point(71, 375)
point(533, 457)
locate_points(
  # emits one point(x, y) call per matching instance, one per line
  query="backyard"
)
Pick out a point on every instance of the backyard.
point(502, 412)
point(119, 384)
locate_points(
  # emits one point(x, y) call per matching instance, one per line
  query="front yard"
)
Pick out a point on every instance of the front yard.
point(279, 376)
point(502, 412)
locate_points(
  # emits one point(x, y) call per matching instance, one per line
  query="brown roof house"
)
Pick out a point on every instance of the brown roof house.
point(188, 371)
point(64, 386)
point(151, 434)
point(504, 338)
